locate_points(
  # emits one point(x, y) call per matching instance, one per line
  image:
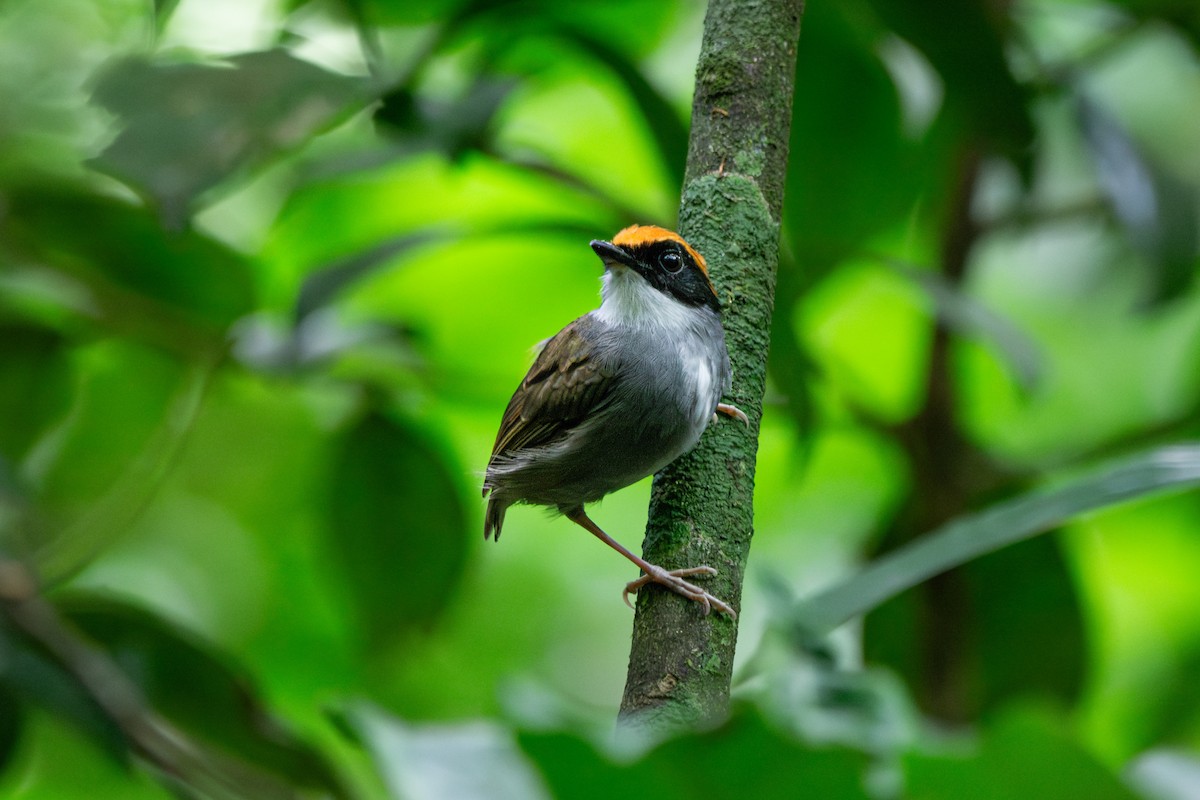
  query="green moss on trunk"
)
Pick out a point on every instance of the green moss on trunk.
point(701, 506)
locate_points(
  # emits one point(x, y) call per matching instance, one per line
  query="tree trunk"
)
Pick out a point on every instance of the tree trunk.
point(701, 506)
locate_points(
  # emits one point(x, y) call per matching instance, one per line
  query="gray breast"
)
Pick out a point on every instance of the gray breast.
point(666, 385)
point(665, 393)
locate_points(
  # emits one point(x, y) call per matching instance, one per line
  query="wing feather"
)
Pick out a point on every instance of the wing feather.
point(564, 385)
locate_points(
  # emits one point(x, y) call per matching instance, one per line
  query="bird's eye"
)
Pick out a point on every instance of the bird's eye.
point(671, 262)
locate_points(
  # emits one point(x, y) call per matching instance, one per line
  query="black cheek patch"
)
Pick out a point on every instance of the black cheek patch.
point(688, 285)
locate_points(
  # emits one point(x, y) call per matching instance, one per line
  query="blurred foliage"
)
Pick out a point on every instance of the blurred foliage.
point(269, 271)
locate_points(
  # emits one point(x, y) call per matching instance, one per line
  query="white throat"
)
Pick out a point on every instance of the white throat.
point(627, 300)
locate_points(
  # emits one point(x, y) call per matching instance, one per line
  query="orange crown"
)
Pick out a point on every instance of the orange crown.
point(637, 235)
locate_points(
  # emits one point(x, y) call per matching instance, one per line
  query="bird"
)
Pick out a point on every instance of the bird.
point(618, 394)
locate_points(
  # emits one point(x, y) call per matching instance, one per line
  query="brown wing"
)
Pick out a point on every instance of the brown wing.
point(564, 384)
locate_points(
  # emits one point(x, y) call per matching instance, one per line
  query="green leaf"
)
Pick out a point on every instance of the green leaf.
point(326, 283)
point(466, 761)
point(1165, 774)
point(124, 395)
point(190, 127)
point(179, 289)
point(1022, 755)
point(396, 526)
point(961, 540)
point(805, 690)
point(199, 690)
point(667, 128)
point(1157, 210)
point(743, 758)
point(96, 475)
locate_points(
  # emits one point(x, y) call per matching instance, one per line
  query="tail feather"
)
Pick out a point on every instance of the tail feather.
point(493, 517)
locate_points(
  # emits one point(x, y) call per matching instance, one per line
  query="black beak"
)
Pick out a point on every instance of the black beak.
point(612, 254)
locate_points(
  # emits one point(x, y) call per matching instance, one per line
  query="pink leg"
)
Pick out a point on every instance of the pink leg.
point(672, 579)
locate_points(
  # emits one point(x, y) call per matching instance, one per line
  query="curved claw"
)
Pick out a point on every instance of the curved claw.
point(673, 580)
point(734, 412)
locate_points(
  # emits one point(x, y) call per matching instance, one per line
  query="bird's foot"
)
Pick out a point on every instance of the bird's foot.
point(731, 411)
point(674, 580)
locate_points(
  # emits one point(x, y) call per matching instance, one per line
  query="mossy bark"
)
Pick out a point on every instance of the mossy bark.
point(701, 506)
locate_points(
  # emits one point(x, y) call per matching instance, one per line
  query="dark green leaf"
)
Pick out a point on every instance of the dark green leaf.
point(1021, 756)
point(323, 285)
point(12, 719)
point(388, 12)
point(1006, 605)
point(32, 677)
point(20, 524)
point(396, 526)
point(1169, 707)
point(965, 43)
point(967, 538)
point(743, 758)
point(843, 148)
point(162, 12)
point(219, 705)
point(1183, 14)
point(180, 289)
point(791, 370)
point(1025, 600)
point(189, 127)
point(451, 128)
point(34, 386)
point(1158, 211)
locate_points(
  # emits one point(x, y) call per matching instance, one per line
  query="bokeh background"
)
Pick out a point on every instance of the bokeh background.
point(270, 270)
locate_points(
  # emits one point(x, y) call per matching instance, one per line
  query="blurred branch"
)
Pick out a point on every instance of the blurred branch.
point(182, 763)
point(948, 471)
point(965, 315)
point(1025, 217)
